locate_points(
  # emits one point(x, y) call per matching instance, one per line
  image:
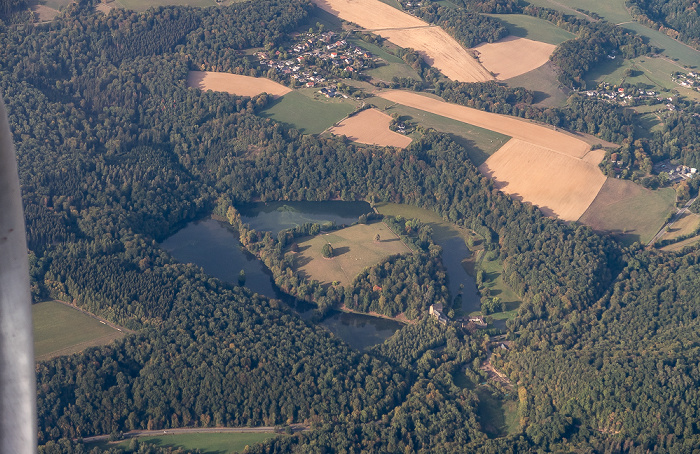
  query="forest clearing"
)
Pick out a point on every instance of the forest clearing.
point(543, 136)
point(235, 84)
point(513, 56)
point(629, 210)
point(62, 330)
point(371, 127)
point(559, 184)
point(433, 43)
point(354, 249)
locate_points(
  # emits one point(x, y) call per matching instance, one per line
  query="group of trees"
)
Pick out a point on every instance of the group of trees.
point(677, 18)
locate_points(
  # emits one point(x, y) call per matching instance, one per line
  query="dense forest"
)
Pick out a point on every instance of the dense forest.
point(677, 18)
point(116, 153)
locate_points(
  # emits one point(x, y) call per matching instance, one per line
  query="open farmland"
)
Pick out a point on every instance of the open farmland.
point(63, 330)
point(513, 56)
point(436, 47)
point(235, 84)
point(535, 134)
point(629, 211)
point(674, 247)
point(209, 443)
point(533, 28)
point(308, 112)
point(371, 127)
point(354, 250)
point(684, 225)
point(559, 184)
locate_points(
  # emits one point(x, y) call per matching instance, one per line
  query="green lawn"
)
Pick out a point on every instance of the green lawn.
point(480, 143)
point(61, 330)
point(207, 443)
point(533, 28)
point(393, 67)
point(493, 279)
point(300, 110)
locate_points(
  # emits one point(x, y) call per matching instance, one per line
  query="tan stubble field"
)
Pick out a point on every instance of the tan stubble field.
point(370, 127)
point(513, 56)
point(235, 84)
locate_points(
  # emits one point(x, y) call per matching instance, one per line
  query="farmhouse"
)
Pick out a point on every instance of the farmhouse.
point(436, 311)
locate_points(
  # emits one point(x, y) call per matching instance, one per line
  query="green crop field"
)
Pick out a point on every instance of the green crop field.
point(533, 28)
point(629, 211)
point(62, 330)
point(354, 248)
point(300, 110)
point(480, 143)
point(207, 443)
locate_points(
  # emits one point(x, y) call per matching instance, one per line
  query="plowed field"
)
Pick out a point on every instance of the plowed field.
point(371, 127)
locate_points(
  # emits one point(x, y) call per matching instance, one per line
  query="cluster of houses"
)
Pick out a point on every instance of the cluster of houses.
point(436, 311)
point(626, 96)
point(675, 172)
point(689, 80)
point(316, 57)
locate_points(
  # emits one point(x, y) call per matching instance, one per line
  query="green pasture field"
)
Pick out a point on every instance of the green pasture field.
point(55, 4)
point(493, 279)
point(614, 11)
point(533, 28)
point(62, 330)
point(207, 443)
point(441, 229)
point(499, 417)
point(685, 225)
point(675, 247)
point(307, 111)
point(480, 143)
point(544, 83)
point(629, 211)
point(653, 72)
point(394, 67)
point(354, 250)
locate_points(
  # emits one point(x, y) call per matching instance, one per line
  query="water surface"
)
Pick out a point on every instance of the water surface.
point(361, 331)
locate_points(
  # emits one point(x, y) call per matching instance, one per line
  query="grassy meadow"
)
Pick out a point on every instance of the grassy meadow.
point(207, 443)
point(629, 211)
point(354, 250)
point(62, 330)
point(533, 28)
point(393, 67)
point(308, 111)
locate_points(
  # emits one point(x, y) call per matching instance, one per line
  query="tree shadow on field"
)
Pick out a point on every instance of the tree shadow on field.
point(337, 252)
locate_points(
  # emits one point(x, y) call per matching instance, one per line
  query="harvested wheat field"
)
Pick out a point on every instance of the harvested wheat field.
point(235, 84)
point(436, 47)
point(371, 127)
point(513, 56)
point(559, 184)
point(535, 134)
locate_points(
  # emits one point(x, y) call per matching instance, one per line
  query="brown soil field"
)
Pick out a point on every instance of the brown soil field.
point(559, 184)
point(513, 56)
point(436, 47)
point(371, 127)
point(354, 250)
point(535, 134)
point(594, 156)
point(235, 84)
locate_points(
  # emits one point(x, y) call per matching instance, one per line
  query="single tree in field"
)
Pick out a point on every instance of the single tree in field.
point(327, 250)
point(377, 238)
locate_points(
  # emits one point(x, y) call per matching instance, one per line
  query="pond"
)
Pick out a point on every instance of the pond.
point(214, 246)
point(454, 252)
point(276, 216)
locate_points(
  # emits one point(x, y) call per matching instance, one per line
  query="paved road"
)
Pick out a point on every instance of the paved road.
point(197, 430)
point(675, 217)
